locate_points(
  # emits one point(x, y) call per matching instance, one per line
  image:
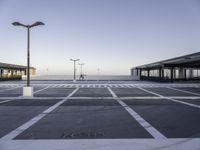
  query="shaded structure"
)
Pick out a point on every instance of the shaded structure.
point(13, 72)
point(182, 68)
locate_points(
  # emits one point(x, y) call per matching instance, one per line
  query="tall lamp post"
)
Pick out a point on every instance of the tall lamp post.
point(81, 66)
point(28, 90)
point(81, 75)
point(74, 60)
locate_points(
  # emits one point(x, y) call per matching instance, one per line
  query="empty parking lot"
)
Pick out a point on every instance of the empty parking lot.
point(161, 112)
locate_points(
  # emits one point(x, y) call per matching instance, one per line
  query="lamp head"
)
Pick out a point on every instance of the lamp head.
point(37, 24)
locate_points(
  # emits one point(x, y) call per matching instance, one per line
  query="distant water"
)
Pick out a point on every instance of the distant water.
point(88, 77)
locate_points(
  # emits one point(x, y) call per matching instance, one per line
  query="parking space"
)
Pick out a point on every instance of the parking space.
point(191, 101)
point(168, 92)
point(130, 92)
point(86, 119)
point(171, 119)
point(92, 92)
point(16, 91)
point(15, 113)
point(11, 93)
point(54, 92)
point(190, 89)
point(94, 112)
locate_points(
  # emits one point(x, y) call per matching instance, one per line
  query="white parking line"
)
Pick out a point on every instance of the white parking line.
point(148, 127)
point(150, 92)
point(41, 90)
point(171, 99)
point(28, 124)
point(184, 91)
point(11, 99)
point(10, 89)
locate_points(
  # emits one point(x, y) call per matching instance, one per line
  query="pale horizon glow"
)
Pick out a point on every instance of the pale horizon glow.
point(109, 35)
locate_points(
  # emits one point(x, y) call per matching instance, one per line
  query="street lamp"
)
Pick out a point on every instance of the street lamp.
point(81, 66)
point(74, 60)
point(81, 75)
point(28, 91)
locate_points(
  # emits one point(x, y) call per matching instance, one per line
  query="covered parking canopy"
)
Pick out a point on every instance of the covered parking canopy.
point(12, 71)
point(186, 67)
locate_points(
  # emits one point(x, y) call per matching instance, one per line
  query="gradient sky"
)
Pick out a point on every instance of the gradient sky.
point(112, 35)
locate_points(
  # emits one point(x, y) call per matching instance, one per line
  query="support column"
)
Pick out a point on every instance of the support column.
point(148, 73)
point(137, 71)
point(182, 73)
point(1, 73)
point(191, 73)
point(140, 72)
point(11, 73)
point(163, 72)
point(172, 74)
point(160, 72)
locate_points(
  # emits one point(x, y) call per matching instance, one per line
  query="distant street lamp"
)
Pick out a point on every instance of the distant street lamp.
point(81, 75)
point(74, 60)
point(81, 66)
point(28, 91)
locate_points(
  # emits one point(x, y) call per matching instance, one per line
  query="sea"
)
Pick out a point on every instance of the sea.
point(87, 77)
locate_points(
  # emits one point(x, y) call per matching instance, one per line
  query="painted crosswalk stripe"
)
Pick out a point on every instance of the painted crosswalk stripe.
point(148, 127)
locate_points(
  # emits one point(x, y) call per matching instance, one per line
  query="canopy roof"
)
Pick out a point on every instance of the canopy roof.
point(191, 61)
point(13, 66)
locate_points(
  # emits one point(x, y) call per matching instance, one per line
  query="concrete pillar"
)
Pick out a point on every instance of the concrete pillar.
point(148, 72)
point(1, 73)
point(191, 73)
point(160, 72)
point(140, 72)
point(11, 73)
point(172, 74)
point(182, 73)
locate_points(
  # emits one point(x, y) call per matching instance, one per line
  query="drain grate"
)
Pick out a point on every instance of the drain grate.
point(82, 135)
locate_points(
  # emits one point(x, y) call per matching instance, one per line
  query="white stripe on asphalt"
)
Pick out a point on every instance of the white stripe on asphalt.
point(184, 91)
point(10, 89)
point(6, 101)
point(12, 99)
point(121, 98)
point(148, 127)
point(41, 90)
point(31, 122)
point(171, 99)
point(150, 92)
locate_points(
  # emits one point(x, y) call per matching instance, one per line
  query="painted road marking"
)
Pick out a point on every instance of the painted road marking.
point(148, 127)
point(184, 91)
point(171, 99)
point(150, 92)
point(104, 144)
point(41, 90)
point(19, 97)
point(121, 98)
point(119, 85)
point(10, 89)
point(31, 122)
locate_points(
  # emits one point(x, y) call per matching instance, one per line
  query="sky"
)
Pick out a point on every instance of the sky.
point(106, 35)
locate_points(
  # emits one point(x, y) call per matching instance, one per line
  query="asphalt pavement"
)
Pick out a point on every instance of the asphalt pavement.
point(94, 111)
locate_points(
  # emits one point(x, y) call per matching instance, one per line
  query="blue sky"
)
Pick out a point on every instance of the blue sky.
point(112, 35)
